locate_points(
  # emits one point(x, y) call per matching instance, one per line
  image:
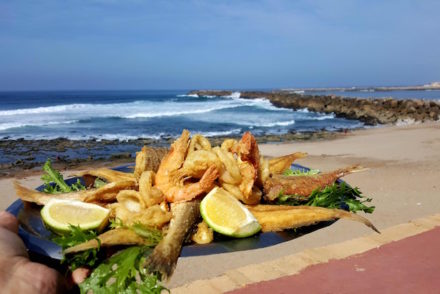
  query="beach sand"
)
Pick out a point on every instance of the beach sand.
point(403, 179)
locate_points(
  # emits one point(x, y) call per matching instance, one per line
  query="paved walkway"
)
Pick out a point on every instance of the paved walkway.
point(408, 266)
point(403, 259)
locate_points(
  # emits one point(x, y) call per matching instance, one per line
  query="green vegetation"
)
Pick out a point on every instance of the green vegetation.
point(59, 185)
point(123, 273)
point(74, 237)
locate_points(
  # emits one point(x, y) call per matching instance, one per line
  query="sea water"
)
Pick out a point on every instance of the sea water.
point(126, 115)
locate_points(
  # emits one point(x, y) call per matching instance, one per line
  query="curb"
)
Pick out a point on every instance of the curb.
point(293, 264)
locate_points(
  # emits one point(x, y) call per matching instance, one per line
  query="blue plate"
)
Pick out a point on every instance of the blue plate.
point(37, 238)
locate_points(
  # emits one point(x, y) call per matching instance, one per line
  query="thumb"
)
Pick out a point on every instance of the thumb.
point(8, 221)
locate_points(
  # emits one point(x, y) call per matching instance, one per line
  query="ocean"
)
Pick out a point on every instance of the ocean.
point(124, 115)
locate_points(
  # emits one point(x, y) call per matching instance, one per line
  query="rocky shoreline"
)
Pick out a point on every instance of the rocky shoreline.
point(25, 157)
point(22, 157)
point(369, 111)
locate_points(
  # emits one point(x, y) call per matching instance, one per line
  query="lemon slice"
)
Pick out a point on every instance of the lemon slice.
point(227, 216)
point(58, 215)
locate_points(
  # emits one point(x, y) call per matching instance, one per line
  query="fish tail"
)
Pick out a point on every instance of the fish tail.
point(350, 170)
point(162, 262)
point(357, 218)
point(25, 194)
point(299, 155)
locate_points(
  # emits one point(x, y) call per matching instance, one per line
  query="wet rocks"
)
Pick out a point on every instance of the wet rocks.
point(369, 111)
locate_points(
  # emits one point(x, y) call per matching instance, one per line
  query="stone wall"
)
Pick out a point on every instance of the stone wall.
point(369, 111)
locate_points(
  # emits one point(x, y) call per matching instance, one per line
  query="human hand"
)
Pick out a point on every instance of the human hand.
point(17, 273)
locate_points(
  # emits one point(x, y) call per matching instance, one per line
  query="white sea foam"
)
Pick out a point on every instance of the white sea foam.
point(233, 95)
point(232, 114)
point(275, 124)
point(42, 110)
point(188, 95)
point(221, 133)
point(177, 113)
point(324, 117)
point(7, 126)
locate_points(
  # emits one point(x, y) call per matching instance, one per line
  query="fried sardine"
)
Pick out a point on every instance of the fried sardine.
point(164, 257)
point(303, 185)
point(106, 193)
point(107, 174)
point(119, 236)
point(281, 217)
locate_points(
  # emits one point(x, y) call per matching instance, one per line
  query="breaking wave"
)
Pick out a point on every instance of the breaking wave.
point(155, 117)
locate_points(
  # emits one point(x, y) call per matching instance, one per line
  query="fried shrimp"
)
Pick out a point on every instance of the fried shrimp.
point(169, 179)
point(197, 162)
point(230, 145)
point(198, 142)
point(230, 171)
point(149, 195)
point(248, 174)
point(172, 161)
point(248, 150)
point(185, 192)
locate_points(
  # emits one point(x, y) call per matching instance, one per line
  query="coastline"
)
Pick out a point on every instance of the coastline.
point(21, 157)
point(404, 166)
point(28, 156)
point(369, 111)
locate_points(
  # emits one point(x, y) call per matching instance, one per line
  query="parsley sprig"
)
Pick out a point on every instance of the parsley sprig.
point(123, 273)
point(54, 182)
point(77, 236)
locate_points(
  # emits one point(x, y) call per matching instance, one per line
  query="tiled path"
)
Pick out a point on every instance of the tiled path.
point(403, 259)
point(411, 265)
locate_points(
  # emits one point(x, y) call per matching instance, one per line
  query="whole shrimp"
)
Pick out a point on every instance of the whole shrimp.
point(174, 187)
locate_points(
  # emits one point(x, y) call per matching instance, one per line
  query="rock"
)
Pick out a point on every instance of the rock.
point(121, 155)
point(411, 109)
point(369, 111)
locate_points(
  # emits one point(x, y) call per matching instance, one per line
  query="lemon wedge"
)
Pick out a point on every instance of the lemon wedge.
point(58, 215)
point(227, 216)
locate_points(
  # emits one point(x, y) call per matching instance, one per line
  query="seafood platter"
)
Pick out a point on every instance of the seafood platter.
point(126, 227)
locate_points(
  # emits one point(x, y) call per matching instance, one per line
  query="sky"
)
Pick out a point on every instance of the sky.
point(134, 44)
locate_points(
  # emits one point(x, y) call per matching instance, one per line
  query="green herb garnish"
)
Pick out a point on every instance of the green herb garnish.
point(59, 185)
point(339, 196)
point(74, 237)
point(298, 172)
point(122, 273)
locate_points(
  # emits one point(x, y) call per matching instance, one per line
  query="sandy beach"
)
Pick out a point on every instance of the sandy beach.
point(403, 180)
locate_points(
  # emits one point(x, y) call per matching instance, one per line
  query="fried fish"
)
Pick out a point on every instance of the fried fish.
point(281, 217)
point(164, 257)
point(304, 185)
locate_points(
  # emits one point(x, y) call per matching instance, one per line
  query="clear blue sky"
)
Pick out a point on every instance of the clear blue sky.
point(128, 44)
